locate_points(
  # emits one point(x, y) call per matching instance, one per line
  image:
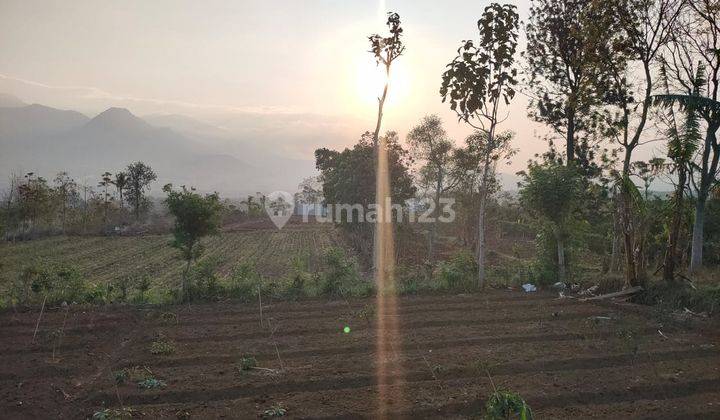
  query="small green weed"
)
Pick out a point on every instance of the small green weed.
point(162, 347)
point(113, 414)
point(505, 404)
point(152, 383)
point(276, 410)
point(247, 363)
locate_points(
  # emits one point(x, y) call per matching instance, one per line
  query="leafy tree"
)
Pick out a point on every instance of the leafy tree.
point(36, 201)
point(348, 177)
point(683, 143)
point(121, 183)
point(478, 81)
point(430, 143)
point(551, 193)
point(694, 68)
point(196, 216)
point(563, 70)
point(67, 193)
point(139, 177)
point(105, 183)
point(641, 28)
point(310, 192)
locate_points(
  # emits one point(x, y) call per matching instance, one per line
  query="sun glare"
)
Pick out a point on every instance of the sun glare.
point(370, 80)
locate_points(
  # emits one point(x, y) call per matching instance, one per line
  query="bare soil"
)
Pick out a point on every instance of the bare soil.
point(568, 359)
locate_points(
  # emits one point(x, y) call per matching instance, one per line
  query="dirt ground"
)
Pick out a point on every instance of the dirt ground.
point(568, 359)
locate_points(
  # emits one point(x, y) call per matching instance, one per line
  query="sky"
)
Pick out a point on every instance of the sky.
point(217, 58)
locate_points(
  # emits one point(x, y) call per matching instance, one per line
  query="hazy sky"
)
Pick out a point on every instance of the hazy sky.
point(218, 57)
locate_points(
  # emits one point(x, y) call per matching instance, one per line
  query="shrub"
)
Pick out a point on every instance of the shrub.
point(459, 272)
point(202, 282)
point(340, 276)
point(680, 296)
point(298, 279)
point(58, 282)
point(244, 282)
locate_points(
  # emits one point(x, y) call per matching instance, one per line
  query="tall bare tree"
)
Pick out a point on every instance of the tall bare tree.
point(385, 50)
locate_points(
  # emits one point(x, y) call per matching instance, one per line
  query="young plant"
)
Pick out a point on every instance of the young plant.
point(247, 363)
point(505, 404)
point(151, 383)
point(276, 410)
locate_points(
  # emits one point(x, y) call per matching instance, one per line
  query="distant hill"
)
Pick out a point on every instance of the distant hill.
point(36, 120)
point(183, 152)
point(10, 101)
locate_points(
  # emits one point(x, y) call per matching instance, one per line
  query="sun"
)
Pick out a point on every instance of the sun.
point(370, 81)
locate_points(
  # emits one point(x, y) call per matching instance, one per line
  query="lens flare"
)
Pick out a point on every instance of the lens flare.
point(388, 343)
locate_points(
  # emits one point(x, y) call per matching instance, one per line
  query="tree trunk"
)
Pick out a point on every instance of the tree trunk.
point(561, 257)
point(185, 291)
point(433, 229)
point(481, 243)
point(376, 143)
point(708, 170)
point(698, 234)
point(671, 251)
point(616, 238)
point(570, 138)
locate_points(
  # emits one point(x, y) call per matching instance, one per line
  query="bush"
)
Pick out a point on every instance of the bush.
point(680, 296)
point(298, 279)
point(245, 282)
point(202, 281)
point(58, 282)
point(340, 276)
point(459, 272)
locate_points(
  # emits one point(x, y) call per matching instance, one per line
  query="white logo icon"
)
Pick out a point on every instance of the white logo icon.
point(279, 205)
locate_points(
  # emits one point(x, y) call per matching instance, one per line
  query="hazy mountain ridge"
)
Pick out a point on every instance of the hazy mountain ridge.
point(47, 140)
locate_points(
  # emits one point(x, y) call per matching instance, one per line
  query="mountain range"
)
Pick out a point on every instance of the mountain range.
point(181, 150)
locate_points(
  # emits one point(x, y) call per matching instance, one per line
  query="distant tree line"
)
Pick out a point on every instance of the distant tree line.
point(34, 205)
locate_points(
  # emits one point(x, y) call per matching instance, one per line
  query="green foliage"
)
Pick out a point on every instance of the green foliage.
point(459, 272)
point(551, 192)
point(203, 283)
point(196, 216)
point(348, 178)
point(139, 177)
point(59, 282)
point(681, 296)
point(484, 72)
point(340, 276)
point(503, 405)
point(121, 376)
point(245, 282)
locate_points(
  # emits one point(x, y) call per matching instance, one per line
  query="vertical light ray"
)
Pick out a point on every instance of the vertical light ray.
point(388, 343)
